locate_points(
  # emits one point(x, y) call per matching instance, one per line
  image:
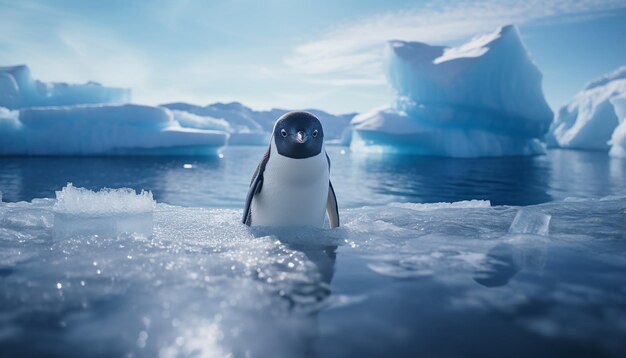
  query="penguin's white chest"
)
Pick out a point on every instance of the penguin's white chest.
point(294, 192)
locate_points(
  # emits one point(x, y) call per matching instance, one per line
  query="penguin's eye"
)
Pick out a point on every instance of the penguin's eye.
point(283, 132)
point(315, 133)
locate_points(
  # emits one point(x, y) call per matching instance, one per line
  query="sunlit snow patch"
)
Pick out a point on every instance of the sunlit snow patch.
point(106, 212)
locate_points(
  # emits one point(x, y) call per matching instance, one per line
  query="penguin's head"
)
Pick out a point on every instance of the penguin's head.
point(298, 135)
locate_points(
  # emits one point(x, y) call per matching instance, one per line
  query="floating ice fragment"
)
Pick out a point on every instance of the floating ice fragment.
point(84, 202)
point(106, 212)
point(528, 221)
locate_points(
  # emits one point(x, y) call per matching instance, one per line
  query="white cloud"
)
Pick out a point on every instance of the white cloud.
point(355, 49)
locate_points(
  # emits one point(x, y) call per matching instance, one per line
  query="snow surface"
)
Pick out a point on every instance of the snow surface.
point(249, 127)
point(590, 119)
point(483, 98)
point(200, 283)
point(19, 90)
point(102, 130)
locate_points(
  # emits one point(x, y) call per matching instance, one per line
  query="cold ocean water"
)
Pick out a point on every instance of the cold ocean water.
point(527, 258)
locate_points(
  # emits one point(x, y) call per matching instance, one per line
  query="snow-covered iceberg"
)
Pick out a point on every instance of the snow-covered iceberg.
point(482, 98)
point(250, 127)
point(102, 130)
point(590, 119)
point(18, 90)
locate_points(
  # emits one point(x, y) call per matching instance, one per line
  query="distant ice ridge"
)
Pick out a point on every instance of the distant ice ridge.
point(483, 98)
point(18, 90)
point(102, 130)
point(250, 127)
point(591, 119)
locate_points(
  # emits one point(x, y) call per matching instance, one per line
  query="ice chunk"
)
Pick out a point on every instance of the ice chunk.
point(529, 221)
point(19, 90)
point(525, 248)
point(103, 130)
point(483, 98)
point(618, 138)
point(108, 212)
point(589, 120)
point(79, 201)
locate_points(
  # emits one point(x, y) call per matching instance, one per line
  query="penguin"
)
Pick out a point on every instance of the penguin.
point(291, 184)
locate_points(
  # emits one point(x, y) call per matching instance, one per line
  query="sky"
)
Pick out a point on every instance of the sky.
point(292, 53)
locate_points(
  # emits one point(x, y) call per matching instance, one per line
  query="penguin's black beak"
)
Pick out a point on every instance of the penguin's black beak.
point(301, 137)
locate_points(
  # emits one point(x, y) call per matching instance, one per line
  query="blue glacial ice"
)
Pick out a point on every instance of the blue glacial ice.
point(590, 119)
point(148, 279)
point(482, 98)
point(102, 129)
point(18, 90)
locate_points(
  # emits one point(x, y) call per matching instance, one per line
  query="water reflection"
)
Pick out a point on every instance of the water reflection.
point(511, 180)
point(27, 178)
point(310, 299)
point(318, 246)
point(358, 180)
point(586, 174)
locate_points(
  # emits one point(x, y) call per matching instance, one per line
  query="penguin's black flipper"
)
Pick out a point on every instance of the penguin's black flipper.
point(255, 187)
point(331, 207)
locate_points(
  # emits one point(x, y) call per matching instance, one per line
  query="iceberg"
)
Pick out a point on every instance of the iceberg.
point(102, 130)
point(250, 127)
point(482, 98)
point(590, 119)
point(19, 90)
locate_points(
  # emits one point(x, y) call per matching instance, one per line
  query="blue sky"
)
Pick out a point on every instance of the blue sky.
point(292, 54)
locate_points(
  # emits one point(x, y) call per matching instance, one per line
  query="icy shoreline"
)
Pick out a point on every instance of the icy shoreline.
point(200, 282)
